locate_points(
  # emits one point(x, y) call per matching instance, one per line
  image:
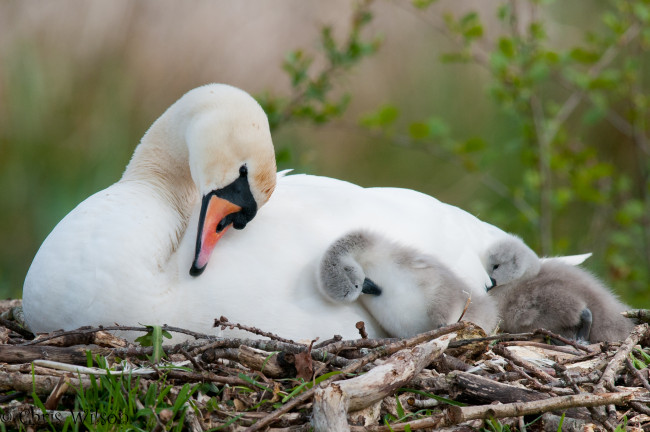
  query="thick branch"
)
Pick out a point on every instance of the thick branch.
point(462, 414)
point(618, 362)
point(331, 404)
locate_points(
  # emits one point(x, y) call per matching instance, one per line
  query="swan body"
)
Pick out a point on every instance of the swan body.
point(157, 246)
point(553, 294)
point(406, 291)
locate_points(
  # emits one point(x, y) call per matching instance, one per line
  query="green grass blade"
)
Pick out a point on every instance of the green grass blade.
point(255, 383)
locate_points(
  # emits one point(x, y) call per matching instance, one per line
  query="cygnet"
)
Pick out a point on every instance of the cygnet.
point(407, 292)
point(552, 294)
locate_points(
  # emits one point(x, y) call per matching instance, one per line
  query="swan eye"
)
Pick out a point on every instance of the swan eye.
point(356, 286)
point(243, 170)
point(495, 266)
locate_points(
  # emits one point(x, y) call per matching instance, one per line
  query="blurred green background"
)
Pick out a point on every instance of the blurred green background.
point(533, 115)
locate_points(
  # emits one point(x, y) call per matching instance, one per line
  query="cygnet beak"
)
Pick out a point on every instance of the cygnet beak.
point(489, 287)
point(369, 287)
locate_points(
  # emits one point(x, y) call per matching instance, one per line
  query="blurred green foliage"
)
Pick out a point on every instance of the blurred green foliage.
point(49, 117)
point(311, 97)
point(556, 176)
point(547, 180)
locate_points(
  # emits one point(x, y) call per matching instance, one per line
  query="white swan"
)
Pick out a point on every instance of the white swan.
point(407, 292)
point(124, 255)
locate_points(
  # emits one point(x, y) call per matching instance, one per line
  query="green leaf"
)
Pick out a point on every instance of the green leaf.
point(423, 4)
point(593, 115)
point(438, 128)
point(385, 116)
point(642, 11)
point(455, 57)
point(255, 383)
point(473, 32)
point(585, 56)
point(631, 213)
point(472, 145)
point(418, 130)
point(507, 47)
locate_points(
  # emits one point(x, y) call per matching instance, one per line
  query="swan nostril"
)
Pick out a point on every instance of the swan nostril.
point(222, 225)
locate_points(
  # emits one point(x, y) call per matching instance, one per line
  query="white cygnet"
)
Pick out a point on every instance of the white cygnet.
point(551, 294)
point(407, 292)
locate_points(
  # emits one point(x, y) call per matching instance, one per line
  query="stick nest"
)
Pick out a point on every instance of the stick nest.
point(451, 378)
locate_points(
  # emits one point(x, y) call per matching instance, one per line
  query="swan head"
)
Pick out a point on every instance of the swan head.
point(341, 278)
point(510, 260)
point(231, 161)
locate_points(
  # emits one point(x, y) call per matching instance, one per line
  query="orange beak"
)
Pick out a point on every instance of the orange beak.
point(213, 212)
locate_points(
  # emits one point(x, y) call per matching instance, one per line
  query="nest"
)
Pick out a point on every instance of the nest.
point(452, 378)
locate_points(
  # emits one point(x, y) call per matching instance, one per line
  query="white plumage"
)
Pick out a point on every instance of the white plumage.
point(124, 254)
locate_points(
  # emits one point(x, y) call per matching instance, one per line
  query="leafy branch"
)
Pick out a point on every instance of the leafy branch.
point(311, 97)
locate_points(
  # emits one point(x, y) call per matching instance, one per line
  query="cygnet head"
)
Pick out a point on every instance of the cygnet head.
point(222, 135)
point(340, 276)
point(510, 260)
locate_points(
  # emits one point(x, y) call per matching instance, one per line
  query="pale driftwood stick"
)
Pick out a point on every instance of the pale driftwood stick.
point(467, 303)
point(26, 354)
point(637, 373)
point(100, 337)
point(640, 407)
point(415, 340)
point(457, 415)
point(423, 403)
point(617, 363)
point(338, 345)
point(581, 358)
point(433, 384)
point(43, 384)
point(564, 340)
point(531, 381)
point(16, 328)
point(462, 414)
point(595, 413)
point(499, 337)
point(204, 377)
point(266, 345)
point(639, 314)
point(336, 338)
point(332, 403)
point(85, 330)
point(361, 326)
point(551, 423)
point(214, 354)
point(548, 347)
point(554, 391)
point(448, 363)
point(269, 364)
point(57, 393)
point(353, 366)
point(193, 423)
point(534, 370)
point(192, 360)
point(223, 323)
point(485, 390)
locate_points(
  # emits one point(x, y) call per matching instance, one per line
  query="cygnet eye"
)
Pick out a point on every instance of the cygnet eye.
point(243, 170)
point(356, 285)
point(495, 266)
